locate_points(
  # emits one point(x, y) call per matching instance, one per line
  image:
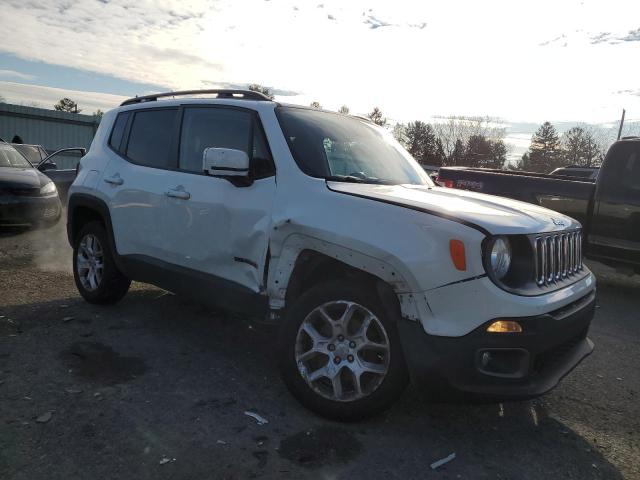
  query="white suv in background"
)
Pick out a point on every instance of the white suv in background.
point(324, 224)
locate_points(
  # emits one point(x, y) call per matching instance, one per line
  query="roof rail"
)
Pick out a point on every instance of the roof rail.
point(224, 93)
point(630, 137)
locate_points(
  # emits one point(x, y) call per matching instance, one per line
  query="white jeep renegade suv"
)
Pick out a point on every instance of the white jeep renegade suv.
point(324, 223)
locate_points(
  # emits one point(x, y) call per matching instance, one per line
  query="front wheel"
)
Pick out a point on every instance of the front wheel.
point(96, 275)
point(340, 354)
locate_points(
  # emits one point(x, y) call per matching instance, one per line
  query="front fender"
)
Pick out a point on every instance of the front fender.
point(283, 262)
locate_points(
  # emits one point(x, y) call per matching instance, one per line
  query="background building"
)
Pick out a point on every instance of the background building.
point(49, 128)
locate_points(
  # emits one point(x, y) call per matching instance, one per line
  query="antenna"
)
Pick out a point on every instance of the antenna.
point(621, 124)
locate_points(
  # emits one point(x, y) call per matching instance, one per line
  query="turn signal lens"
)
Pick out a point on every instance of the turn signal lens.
point(456, 249)
point(504, 326)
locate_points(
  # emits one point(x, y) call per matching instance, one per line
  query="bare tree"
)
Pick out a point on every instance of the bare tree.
point(582, 146)
point(266, 91)
point(451, 129)
point(344, 110)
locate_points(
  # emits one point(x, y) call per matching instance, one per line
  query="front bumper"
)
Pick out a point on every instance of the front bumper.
point(529, 363)
point(21, 210)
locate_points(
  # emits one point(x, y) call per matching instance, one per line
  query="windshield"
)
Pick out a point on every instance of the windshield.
point(340, 147)
point(31, 152)
point(9, 157)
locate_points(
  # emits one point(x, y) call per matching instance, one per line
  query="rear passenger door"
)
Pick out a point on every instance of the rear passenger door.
point(214, 226)
point(144, 147)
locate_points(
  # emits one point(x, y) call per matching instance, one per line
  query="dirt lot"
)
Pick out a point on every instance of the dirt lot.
point(155, 387)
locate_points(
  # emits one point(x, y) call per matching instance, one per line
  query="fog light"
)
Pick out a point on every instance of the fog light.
point(505, 326)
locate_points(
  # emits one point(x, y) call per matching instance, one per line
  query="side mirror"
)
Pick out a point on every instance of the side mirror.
point(225, 162)
point(48, 166)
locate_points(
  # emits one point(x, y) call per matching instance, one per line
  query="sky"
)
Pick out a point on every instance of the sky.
point(523, 61)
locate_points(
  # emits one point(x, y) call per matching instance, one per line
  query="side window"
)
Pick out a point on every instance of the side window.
point(621, 169)
point(151, 138)
point(631, 171)
point(118, 131)
point(222, 128)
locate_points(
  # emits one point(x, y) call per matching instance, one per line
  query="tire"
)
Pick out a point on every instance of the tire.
point(111, 285)
point(302, 360)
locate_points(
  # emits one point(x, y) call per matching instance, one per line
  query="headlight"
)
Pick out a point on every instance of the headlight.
point(48, 189)
point(500, 256)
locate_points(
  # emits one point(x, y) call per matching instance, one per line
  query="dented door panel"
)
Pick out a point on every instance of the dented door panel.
point(221, 229)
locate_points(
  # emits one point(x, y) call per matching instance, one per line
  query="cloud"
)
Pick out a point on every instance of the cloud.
point(632, 36)
point(279, 92)
point(483, 61)
point(608, 37)
point(46, 97)
point(17, 75)
point(629, 91)
point(374, 22)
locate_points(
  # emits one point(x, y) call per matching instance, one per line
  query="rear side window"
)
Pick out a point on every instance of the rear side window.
point(151, 138)
point(118, 131)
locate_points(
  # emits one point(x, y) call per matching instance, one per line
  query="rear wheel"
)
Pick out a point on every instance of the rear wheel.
point(97, 278)
point(340, 354)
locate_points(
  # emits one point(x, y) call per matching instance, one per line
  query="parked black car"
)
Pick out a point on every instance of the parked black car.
point(40, 159)
point(608, 207)
point(27, 196)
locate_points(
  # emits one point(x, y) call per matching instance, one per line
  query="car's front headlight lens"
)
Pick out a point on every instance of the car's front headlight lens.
point(48, 189)
point(500, 256)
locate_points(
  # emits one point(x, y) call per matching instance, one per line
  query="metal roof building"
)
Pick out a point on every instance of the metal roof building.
point(51, 129)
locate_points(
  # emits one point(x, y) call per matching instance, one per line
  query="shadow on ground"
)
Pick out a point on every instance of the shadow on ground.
point(155, 387)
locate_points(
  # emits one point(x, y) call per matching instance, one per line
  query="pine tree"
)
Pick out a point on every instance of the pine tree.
point(545, 152)
point(67, 105)
point(457, 155)
point(422, 144)
point(376, 117)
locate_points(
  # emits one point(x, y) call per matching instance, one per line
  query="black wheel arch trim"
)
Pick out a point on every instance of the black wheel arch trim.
point(83, 200)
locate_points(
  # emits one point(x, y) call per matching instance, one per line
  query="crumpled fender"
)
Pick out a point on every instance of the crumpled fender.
point(285, 253)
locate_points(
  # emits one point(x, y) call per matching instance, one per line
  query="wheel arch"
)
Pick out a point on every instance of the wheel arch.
point(300, 268)
point(84, 208)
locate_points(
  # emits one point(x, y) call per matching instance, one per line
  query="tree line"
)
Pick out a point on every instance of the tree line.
point(581, 145)
point(471, 141)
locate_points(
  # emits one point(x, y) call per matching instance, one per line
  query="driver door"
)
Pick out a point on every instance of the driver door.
point(211, 225)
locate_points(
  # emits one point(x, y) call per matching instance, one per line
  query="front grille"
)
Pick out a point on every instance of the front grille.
point(558, 256)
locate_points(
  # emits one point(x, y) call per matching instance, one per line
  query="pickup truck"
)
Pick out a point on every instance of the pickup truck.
point(608, 206)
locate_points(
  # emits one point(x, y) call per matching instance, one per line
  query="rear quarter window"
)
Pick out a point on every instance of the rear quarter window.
point(118, 131)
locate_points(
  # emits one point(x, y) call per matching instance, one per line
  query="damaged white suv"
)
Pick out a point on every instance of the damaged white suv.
point(323, 223)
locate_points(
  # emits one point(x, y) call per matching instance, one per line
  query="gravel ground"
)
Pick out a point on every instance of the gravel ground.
point(156, 387)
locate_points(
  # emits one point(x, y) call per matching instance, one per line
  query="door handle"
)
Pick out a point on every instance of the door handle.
point(178, 194)
point(115, 180)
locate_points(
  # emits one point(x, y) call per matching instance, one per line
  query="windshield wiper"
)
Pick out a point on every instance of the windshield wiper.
point(352, 179)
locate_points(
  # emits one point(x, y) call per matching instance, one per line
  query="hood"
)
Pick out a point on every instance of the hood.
point(494, 215)
point(11, 177)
